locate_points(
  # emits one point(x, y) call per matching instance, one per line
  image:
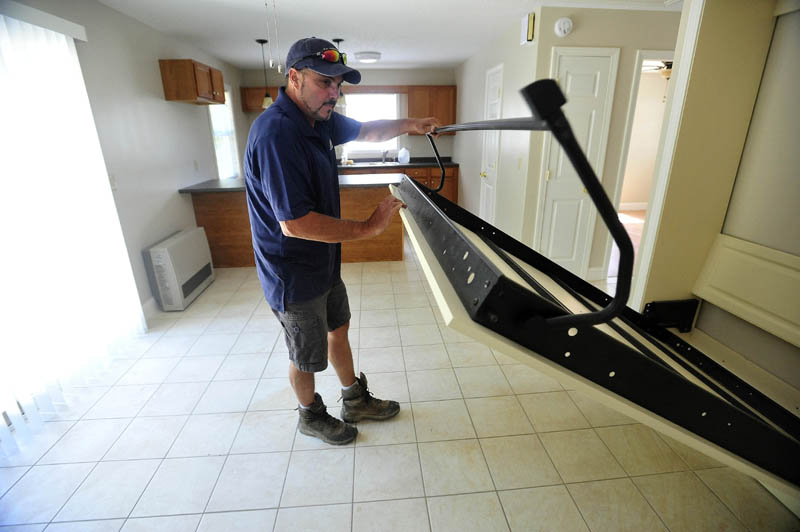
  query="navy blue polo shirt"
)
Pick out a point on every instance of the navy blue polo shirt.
point(290, 170)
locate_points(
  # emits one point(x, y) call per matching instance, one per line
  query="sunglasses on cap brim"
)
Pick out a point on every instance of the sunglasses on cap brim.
point(331, 55)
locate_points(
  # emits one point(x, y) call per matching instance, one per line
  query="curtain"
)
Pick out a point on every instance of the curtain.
point(68, 295)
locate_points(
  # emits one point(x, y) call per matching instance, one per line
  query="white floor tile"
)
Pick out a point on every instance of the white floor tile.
point(524, 379)
point(420, 335)
point(486, 381)
point(614, 505)
point(336, 518)
point(415, 316)
point(451, 467)
point(266, 431)
point(178, 523)
point(226, 396)
point(378, 337)
point(470, 354)
point(405, 515)
point(174, 399)
point(149, 371)
point(180, 486)
point(107, 525)
point(37, 496)
point(433, 385)
point(421, 357)
point(86, 441)
point(399, 429)
point(252, 521)
point(195, 369)
point(475, 511)
point(146, 437)
point(110, 491)
point(387, 472)
point(319, 477)
point(541, 510)
point(242, 367)
point(388, 386)
point(254, 342)
point(579, 456)
point(213, 344)
point(250, 481)
point(172, 346)
point(30, 452)
point(9, 475)
point(518, 462)
point(498, 416)
point(206, 435)
point(552, 411)
point(380, 359)
point(273, 394)
point(121, 401)
point(442, 420)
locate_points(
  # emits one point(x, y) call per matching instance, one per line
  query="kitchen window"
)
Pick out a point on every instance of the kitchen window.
point(224, 133)
point(367, 107)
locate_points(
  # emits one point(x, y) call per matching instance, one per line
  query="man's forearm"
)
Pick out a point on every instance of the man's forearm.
point(322, 228)
point(380, 130)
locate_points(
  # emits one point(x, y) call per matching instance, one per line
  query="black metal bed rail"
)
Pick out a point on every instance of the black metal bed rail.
point(545, 99)
point(515, 312)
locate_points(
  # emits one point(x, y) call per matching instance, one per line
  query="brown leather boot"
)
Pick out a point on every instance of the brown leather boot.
point(358, 404)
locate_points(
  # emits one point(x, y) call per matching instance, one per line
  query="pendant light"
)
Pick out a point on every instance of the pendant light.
point(267, 98)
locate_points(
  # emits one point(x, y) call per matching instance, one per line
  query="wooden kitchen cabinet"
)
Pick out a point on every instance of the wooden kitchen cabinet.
point(428, 176)
point(433, 100)
point(188, 81)
point(252, 97)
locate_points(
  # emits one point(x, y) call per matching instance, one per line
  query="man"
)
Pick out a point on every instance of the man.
point(293, 199)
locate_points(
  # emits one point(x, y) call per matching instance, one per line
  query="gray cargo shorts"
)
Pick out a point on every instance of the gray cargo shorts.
point(306, 326)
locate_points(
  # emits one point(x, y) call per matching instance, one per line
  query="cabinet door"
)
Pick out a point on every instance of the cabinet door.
point(217, 86)
point(202, 79)
point(253, 97)
point(419, 102)
point(443, 100)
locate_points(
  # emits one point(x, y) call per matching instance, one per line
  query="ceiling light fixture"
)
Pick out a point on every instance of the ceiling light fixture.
point(267, 98)
point(368, 57)
point(272, 62)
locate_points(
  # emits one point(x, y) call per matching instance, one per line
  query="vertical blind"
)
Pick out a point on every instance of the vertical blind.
point(68, 294)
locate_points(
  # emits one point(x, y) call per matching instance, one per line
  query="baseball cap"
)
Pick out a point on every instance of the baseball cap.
point(302, 55)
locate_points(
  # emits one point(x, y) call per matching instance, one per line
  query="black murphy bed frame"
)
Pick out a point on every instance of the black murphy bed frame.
point(618, 355)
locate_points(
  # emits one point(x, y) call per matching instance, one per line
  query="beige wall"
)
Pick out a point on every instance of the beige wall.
point(765, 202)
point(512, 176)
point(627, 30)
point(726, 69)
point(644, 137)
point(151, 146)
point(418, 146)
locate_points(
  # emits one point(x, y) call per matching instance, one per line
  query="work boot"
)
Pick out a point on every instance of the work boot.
point(315, 421)
point(358, 403)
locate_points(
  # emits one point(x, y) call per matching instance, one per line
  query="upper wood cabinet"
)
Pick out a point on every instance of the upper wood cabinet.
point(188, 81)
point(433, 100)
point(253, 97)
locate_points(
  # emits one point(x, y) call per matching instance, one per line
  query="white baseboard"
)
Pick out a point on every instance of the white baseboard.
point(596, 274)
point(633, 206)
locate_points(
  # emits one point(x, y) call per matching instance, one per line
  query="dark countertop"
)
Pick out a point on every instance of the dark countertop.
point(345, 181)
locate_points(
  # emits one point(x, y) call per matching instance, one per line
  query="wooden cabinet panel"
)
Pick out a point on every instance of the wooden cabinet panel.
point(253, 97)
point(224, 217)
point(433, 100)
point(188, 81)
point(443, 103)
point(358, 203)
point(419, 102)
point(217, 86)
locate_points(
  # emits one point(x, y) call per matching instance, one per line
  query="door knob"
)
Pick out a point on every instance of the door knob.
point(483, 174)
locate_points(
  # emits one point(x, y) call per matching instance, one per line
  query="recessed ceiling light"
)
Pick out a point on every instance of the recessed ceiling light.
point(368, 57)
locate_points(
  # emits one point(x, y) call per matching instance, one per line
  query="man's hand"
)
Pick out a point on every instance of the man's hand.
point(423, 125)
point(383, 214)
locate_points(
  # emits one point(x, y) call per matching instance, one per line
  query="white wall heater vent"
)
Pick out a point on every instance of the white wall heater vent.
point(179, 268)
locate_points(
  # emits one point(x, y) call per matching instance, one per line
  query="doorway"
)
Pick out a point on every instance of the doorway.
point(491, 142)
point(641, 144)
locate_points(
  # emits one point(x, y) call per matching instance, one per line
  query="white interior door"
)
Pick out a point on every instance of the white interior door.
point(491, 143)
point(566, 223)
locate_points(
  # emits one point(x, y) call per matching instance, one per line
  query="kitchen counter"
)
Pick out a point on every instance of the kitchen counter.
point(220, 207)
point(345, 181)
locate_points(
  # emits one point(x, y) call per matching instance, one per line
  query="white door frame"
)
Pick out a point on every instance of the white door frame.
point(641, 56)
point(489, 72)
point(676, 94)
point(557, 53)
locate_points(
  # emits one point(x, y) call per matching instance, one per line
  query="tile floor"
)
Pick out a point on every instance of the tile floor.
point(191, 428)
